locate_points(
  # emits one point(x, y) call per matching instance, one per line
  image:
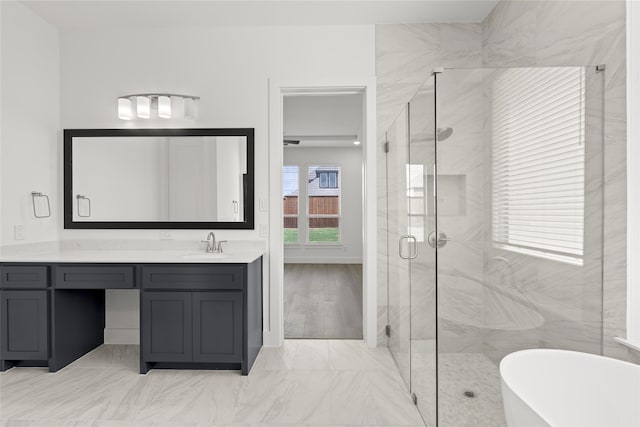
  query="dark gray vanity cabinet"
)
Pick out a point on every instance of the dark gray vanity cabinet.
point(24, 311)
point(217, 326)
point(200, 315)
point(166, 327)
point(203, 327)
point(192, 315)
point(24, 325)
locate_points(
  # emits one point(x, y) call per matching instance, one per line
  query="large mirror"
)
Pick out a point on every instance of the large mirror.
point(159, 178)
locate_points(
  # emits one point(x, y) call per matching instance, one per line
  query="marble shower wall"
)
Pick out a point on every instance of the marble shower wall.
point(523, 33)
point(532, 302)
point(405, 57)
point(566, 33)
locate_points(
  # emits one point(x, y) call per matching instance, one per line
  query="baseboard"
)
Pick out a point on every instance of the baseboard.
point(323, 260)
point(271, 339)
point(122, 336)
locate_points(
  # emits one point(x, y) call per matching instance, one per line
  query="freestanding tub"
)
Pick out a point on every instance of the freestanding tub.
point(567, 388)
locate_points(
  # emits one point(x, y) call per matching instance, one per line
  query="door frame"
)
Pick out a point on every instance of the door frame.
point(274, 307)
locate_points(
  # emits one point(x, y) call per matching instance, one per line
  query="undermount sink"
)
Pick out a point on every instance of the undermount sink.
point(204, 255)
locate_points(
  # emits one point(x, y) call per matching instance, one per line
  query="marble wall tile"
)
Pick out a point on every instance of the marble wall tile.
point(405, 58)
point(564, 33)
point(509, 35)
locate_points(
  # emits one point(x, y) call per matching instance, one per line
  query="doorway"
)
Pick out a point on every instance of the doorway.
point(322, 193)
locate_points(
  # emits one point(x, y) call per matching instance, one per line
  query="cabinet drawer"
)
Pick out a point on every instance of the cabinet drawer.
point(94, 277)
point(193, 277)
point(24, 277)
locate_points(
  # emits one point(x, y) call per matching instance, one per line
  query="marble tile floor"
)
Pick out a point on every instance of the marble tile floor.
point(303, 383)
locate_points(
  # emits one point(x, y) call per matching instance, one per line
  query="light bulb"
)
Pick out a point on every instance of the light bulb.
point(124, 109)
point(143, 107)
point(177, 107)
point(190, 108)
point(164, 107)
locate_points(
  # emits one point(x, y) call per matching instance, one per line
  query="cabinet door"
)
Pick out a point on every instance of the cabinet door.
point(166, 327)
point(217, 326)
point(24, 325)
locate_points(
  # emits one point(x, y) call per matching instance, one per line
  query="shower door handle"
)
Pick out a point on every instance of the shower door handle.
point(413, 254)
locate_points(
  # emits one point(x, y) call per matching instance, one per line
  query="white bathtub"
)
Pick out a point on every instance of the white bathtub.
point(567, 388)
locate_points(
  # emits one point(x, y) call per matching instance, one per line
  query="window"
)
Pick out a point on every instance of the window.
point(290, 203)
point(538, 162)
point(323, 207)
point(328, 179)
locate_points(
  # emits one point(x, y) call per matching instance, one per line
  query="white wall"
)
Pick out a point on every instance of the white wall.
point(323, 115)
point(30, 122)
point(228, 67)
point(350, 161)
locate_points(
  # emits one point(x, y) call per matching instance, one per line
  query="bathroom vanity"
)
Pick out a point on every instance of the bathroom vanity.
point(197, 311)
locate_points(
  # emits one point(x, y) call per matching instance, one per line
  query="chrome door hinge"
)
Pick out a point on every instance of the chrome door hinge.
point(414, 398)
point(387, 330)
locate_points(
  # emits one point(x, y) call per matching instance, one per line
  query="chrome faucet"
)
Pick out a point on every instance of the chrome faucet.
point(212, 247)
point(211, 243)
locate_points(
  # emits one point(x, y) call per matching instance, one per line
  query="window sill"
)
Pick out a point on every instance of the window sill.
point(633, 345)
point(541, 254)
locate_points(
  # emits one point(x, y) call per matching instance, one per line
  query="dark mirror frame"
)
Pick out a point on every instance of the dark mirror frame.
point(248, 195)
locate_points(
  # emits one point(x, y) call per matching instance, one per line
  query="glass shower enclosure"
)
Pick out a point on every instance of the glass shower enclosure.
point(494, 210)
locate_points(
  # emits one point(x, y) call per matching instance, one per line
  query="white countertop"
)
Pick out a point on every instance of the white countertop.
point(131, 256)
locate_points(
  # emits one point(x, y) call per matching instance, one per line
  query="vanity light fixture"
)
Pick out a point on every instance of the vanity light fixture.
point(356, 142)
point(152, 105)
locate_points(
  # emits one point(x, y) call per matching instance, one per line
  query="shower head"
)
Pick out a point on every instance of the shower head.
point(444, 133)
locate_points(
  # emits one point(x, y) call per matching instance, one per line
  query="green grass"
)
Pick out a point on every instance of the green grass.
point(326, 235)
point(291, 235)
point(316, 235)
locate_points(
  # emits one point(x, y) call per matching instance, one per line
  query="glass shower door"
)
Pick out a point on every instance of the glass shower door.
point(411, 260)
point(519, 181)
point(495, 225)
point(399, 296)
point(421, 214)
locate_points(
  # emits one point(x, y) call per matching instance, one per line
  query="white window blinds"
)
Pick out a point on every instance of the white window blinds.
point(538, 162)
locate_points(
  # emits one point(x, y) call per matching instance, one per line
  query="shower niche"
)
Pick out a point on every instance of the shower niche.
point(452, 195)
